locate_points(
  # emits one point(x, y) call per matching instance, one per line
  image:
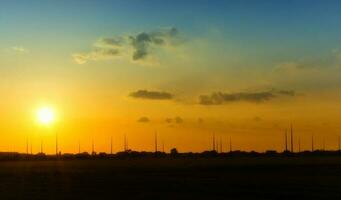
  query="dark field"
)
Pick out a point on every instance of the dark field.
point(178, 178)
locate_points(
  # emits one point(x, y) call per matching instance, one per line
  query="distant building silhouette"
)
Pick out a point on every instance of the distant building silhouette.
point(174, 152)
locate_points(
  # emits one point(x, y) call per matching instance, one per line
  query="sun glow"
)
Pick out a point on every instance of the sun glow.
point(45, 115)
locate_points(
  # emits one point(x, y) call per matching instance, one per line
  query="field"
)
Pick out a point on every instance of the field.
point(173, 178)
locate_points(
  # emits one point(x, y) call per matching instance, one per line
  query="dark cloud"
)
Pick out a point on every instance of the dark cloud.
point(154, 95)
point(287, 92)
point(114, 42)
point(144, 120)
point(169, 120)
point(142, 41)
point(178, 120)
point(219, 98)
point(257, 119)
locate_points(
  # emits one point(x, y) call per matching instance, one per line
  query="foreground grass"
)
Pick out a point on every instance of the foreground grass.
point(178, 178)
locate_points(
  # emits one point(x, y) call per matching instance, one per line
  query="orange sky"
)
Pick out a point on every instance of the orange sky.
point(246, 71)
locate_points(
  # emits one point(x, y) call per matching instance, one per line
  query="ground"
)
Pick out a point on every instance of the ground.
point(173, 178)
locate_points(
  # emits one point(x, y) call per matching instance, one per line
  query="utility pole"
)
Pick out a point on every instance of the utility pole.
point(163, 147)
point(299, 144)
point(93, 146)
point(339, 143)
point(292, 138)
point(125, 143)
point(312, 143)
point(27, 146)
point(79, 146)
point(221, 145)
point(213, 141)
point(230, 144)
point(155, 141)
point(41, 146)
point(286, 140)
point(111, 145)
point(56, 144)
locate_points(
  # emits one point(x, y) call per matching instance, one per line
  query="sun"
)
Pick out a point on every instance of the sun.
point(45, 115)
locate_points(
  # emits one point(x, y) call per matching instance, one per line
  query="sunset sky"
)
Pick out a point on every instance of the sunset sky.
point(183, 69)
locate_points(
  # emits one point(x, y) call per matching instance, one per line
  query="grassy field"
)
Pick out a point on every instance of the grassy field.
point(178, 178)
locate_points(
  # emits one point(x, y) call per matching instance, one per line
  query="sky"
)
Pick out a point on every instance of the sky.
point(242, 70)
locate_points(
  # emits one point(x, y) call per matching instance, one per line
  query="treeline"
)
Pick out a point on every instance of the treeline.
point(173, 154)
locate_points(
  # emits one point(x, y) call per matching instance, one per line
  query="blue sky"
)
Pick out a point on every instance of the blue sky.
point(296, 28)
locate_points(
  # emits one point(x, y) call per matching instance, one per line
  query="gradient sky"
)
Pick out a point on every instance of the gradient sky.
point(186, 69)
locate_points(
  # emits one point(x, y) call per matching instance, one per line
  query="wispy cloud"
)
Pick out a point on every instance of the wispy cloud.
point(218, 98)
point(153, 95)
point(138, 48)
point(98, 54)
point(18, 49)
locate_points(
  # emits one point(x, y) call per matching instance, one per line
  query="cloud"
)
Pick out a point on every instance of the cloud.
point(169, 120)
point(142, 41)
point(257, 119)
point(287, 92)
point(143, 120)
point(329, 60)
point(218, 98)
point(98, 54)
point(178, 120)
point(153, 95)
point(19, 49)
point(137, 47)
point(290, 66)
point(114, 42)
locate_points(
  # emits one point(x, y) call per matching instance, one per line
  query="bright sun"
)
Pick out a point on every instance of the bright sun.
point(45, 115)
